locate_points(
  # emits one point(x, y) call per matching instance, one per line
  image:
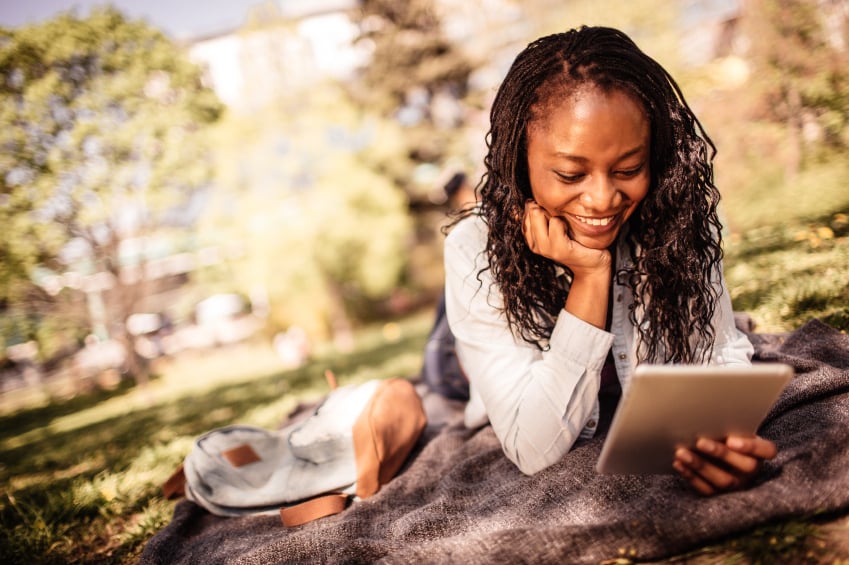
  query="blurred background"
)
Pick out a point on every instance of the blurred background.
point(206, 204)
point(181, 176)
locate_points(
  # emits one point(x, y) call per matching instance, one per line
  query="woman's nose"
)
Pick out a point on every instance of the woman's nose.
point(600, 194)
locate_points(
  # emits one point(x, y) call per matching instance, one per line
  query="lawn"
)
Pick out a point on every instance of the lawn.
point(80, 478)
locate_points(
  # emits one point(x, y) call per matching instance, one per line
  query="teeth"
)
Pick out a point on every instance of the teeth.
point(595, 221)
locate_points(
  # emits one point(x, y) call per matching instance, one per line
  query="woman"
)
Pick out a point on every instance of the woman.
point(595, 247)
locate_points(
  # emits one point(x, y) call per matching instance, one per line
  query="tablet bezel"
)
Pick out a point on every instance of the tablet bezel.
point(666, 406)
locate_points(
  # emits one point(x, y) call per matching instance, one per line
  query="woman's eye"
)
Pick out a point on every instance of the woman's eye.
point(570, 178)
point(627, 173)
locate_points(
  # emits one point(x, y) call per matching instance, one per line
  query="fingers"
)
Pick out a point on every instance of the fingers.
point(536, 227)
point(703, 475)
point(755, 446)
point(549, 236)
point(557, 230)
point(696, 481)
point(734, 460)
point(529, 223)
point(716, 466)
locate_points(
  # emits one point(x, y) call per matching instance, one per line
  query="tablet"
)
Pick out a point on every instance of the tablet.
point(667, 406)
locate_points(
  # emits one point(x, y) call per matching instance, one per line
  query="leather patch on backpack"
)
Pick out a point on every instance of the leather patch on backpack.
point(241, 455)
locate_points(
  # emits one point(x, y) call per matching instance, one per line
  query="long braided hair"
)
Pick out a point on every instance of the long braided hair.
point(673, 237)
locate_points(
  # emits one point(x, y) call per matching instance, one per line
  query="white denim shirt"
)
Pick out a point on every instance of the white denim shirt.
point(540, 402)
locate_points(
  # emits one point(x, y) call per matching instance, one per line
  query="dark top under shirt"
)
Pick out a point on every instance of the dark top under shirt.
point(609, 390)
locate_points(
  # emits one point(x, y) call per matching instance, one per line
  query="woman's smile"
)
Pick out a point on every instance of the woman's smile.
point(595, 221)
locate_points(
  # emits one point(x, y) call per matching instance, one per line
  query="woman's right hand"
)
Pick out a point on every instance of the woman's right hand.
point(549, 236)
point(712, 467)
point(591, 268)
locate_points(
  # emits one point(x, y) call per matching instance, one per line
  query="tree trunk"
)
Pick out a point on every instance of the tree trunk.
point(793, 163)
point(137, 366)
point(340, 323)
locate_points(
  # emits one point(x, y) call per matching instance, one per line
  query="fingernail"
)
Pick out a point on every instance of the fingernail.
point(735, 442)
point(684, 455)
point(706, 445)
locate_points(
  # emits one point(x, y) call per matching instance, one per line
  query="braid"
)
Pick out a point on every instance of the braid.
point(673, 236)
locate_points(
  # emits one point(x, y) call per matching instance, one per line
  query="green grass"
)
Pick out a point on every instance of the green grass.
point(796, 541)
point(785, 275)
point(80, 479)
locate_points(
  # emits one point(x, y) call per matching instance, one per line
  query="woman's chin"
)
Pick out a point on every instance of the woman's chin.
point(595, 236)
point(595, 242)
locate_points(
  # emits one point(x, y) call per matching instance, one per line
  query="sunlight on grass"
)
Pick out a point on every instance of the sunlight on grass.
point(82, 481)
point(784, 276)
point(154, 517)
point(770, 200)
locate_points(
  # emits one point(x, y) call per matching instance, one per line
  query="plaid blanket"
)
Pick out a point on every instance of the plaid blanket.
point(459, 500)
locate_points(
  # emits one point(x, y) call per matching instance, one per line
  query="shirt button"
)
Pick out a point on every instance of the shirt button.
point(618, 298)
point(592, 424)
point(622, 356)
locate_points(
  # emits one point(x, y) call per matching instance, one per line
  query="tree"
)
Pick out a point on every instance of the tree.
point(312, 226)
point(416, 76)
point(102, 146)
point(800, 54)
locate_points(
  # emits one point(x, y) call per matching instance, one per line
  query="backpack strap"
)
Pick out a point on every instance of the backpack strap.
point(313, 509)
point(175, 485)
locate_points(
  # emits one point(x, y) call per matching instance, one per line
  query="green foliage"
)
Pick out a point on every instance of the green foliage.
point(101, 141)
point(93, 111)
point(360, 229)
point(414, 68)
point(800, 68)
point(410, 52)
point(317, 228)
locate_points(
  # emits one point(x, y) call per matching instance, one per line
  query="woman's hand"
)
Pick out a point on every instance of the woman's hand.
point(714, 466)
point(548, 236)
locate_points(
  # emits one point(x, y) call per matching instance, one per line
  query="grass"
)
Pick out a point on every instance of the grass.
point(787, 274)
point(804, 541)
point(80, 477)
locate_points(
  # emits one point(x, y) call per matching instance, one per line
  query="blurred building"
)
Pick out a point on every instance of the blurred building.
point(289, 45)
point(285, 46)
point(710, 30)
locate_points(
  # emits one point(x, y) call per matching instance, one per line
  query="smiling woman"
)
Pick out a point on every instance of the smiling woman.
point(595, 248)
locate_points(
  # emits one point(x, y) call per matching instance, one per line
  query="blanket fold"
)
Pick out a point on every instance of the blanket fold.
point(460, 500)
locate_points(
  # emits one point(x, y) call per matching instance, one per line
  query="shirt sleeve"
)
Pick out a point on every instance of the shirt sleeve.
point(538, 402)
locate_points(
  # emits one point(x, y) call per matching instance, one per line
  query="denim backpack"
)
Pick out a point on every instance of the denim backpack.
point(351, 445)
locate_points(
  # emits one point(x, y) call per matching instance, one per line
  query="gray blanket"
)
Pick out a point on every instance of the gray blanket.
point(460, 500)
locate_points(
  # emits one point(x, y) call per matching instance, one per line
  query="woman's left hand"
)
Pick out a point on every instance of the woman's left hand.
point(713, 466)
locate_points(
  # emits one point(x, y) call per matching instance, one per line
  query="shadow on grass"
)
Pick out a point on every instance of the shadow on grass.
point(62, 493)
point(22, 420)
point(799, 272)
point(117, 440)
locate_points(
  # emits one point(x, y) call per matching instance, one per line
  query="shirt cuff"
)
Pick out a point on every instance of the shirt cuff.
point(575, 341)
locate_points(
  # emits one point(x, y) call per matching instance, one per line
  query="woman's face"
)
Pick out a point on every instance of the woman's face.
point(588, 162)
